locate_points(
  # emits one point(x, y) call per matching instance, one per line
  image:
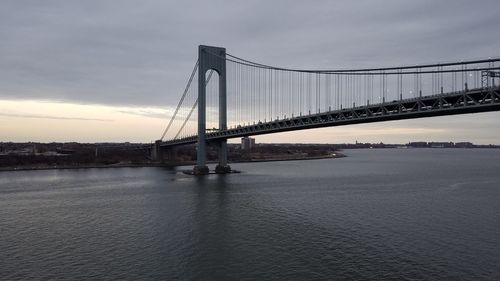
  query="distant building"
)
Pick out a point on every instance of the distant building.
point(464, 145)
point(441, 144)
point(418, 144)
point(65, 151)
point(247, 143)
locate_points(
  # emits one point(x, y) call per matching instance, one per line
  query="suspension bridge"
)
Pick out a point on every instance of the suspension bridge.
point(228, 97)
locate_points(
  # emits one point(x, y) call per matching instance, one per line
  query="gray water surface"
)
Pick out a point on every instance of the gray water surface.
point(414, 214)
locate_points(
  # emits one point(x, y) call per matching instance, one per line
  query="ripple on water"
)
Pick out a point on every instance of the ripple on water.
point(375, 215)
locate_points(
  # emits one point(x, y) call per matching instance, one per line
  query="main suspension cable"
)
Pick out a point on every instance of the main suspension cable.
point(193, 107)
point(346, 71)
point(181, 101)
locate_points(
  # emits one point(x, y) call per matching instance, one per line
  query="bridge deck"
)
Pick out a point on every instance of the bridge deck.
point(475, 100)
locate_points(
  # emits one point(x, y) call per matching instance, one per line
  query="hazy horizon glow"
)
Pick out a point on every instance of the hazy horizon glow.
point(45, 121)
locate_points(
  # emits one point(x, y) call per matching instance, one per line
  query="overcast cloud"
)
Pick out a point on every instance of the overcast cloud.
point(140, 53)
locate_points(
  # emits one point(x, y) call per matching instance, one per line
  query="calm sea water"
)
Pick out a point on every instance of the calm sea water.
point(414, 214)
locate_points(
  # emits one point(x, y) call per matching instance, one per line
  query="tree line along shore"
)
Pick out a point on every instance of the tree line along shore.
point(33, 156)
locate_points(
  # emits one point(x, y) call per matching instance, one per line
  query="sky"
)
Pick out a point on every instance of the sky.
point(114, 70)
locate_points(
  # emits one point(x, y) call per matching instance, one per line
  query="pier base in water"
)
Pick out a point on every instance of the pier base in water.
point(223, 169)
point(219, 170)
point(200, 170)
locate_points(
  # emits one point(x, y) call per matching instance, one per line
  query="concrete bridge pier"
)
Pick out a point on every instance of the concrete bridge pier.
point(163, 155)
point(222, 167)
point(201, 167)
point(156, 151)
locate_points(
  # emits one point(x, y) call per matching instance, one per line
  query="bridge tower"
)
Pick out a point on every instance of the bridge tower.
point(211, 58)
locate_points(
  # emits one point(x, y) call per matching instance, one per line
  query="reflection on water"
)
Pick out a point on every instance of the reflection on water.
point(417, 214)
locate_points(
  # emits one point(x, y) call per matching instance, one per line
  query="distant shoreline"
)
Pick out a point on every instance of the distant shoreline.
point(191, 163)
point(337, 155)
point(93, 166)
point(142, 165)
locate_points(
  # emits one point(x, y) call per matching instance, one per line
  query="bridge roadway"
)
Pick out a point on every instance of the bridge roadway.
point(461, 102)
